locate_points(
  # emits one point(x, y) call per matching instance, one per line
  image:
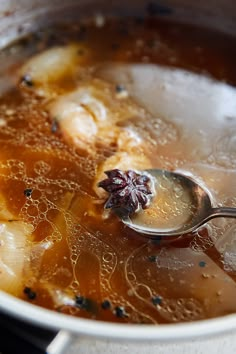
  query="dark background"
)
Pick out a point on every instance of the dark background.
point(19, 337)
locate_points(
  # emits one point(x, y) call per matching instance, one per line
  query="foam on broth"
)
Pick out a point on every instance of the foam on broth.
point(179, 99)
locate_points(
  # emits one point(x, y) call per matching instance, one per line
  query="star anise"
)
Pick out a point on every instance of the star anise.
point(129, 190)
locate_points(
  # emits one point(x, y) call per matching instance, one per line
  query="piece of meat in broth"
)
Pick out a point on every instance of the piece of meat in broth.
point(78, 114)
point(5, 214)
point(13, 241)
point(88, 117)
point(44, 71)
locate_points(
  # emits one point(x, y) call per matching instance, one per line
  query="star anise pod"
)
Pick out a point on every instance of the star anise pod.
point(129, 190)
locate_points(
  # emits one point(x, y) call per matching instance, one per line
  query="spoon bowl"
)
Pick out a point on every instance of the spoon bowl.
point(181, 205)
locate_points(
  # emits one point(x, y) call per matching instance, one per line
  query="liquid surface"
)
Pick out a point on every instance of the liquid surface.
point(172, 206)
point(170, 101)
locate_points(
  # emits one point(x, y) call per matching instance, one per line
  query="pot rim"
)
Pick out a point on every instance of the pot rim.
point(164, 333)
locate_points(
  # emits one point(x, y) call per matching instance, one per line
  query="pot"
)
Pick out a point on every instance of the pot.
point(18, 17)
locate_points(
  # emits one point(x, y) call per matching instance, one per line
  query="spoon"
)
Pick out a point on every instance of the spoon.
point(181, 205)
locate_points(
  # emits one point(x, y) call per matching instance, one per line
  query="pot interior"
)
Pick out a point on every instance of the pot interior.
point(216, 93)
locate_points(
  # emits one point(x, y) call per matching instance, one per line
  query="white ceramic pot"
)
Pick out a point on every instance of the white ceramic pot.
point(76, 335)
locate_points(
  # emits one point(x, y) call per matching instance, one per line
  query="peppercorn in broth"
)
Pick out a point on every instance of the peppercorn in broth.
point(80, 100)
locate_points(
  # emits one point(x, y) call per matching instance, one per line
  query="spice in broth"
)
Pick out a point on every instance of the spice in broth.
point(77, 100)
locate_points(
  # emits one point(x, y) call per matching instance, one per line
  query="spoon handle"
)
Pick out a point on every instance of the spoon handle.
point(224, 211)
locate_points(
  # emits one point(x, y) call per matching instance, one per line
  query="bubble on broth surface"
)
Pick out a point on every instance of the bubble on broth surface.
point(226, 245)
point(41, 168)
point(203, 239)
point(12, 169)
point(155, 131)
point(164, 261)
point(38, 209)
point(181, 310)
point(107, 258)
point(229, 261)
point(224, 150)
point(41, 140)
point(146, 291)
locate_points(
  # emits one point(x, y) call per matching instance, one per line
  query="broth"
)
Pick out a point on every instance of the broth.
point(150, 94)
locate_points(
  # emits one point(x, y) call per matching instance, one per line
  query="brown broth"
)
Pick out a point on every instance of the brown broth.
point(98, 259)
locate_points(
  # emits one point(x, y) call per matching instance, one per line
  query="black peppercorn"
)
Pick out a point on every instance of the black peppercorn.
point(106, 305)
point(120, 88)
point(120, 312)
point(54, 126)
point(27, 80)
point(28, 192)
point(30, 293)
point(80, 301)
point(152, 259)
point(157, 300)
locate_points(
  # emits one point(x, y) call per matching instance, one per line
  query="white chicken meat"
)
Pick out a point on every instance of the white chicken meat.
point(13, 240)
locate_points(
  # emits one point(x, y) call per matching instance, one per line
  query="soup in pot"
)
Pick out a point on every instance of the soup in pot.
point(131, 94)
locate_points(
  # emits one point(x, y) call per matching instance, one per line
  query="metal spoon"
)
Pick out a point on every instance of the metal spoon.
point(181, 206)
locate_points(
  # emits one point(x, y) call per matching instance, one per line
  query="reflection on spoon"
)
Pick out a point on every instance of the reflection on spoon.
point(179, 205)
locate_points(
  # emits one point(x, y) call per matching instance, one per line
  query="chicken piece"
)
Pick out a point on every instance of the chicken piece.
point(79, 114)
point(5, 214)
point(129, 141)
point(13, 240)
point(47, 68)
point(91, 114)
point(76, 123)
point(92, 117)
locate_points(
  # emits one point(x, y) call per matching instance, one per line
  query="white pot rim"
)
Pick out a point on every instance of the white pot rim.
point(170, 332)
